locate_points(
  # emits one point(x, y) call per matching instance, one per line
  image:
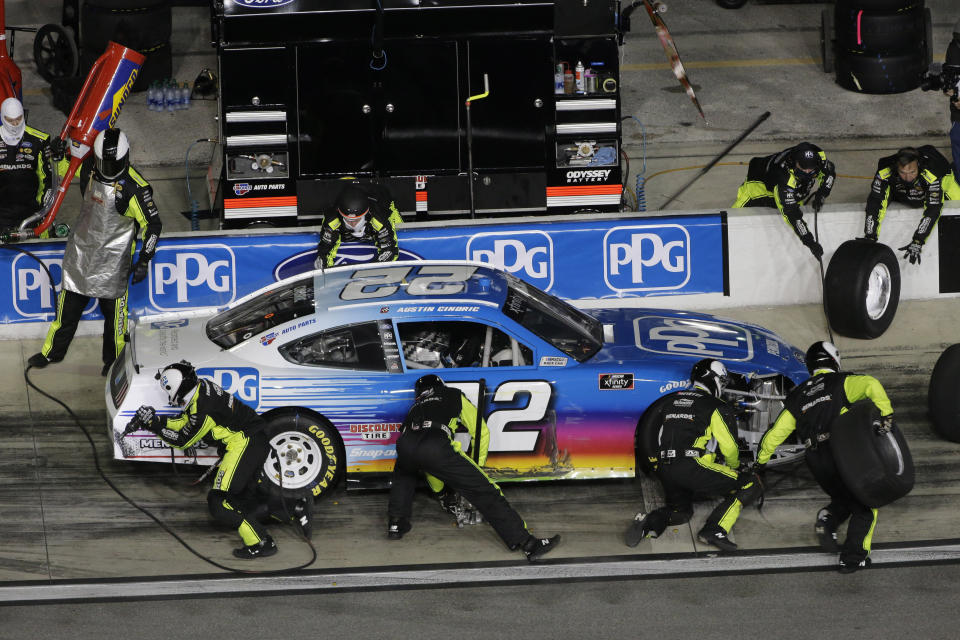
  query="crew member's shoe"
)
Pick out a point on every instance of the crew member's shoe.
point(536, 548)
point(106, 369)
point(263, 549)
point(397, 527)
point(303, 516)
point(717, 537)
point(638, 530)
point(39, 361)
point(826, 530)
point(850, 566)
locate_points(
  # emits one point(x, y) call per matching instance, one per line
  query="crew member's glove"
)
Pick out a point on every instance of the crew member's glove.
point(912, 252)
point(58, 149)
point(870, 237)
point(144, 418)
point(140, 269)
point(817, 202)
point(320, 262)
point(884, 424)
point(813, 245)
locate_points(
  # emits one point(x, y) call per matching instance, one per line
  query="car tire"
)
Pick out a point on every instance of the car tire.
point(880, 73)
point(828, 41)
point(860, 30)
point(875, 466)
point(886, 5)
point(646, 445)
point(943, 398)
point(861, 290)
point(307, 454)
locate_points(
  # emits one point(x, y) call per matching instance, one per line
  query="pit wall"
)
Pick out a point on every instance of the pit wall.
point(691, 260)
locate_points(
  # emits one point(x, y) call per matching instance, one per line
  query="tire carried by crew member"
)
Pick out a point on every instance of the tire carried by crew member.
point(861, 290)
point(943, 398)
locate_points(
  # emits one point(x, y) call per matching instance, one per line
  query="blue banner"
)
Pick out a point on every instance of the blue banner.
point(576, 260)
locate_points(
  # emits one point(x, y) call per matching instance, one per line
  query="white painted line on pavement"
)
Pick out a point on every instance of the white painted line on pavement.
point(437, 577)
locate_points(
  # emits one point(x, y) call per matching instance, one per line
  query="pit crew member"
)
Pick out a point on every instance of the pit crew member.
point(363, 214)
point(427, 444)
point(25, 166)
point(811, 408)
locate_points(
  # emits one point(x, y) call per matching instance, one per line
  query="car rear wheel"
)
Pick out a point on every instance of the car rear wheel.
point(944, 394)
point(647, 445)
point(307, 456)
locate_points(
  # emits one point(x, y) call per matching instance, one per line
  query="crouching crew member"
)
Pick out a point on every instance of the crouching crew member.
point(690, 419)
point(211, 413)
point(427, 444)
point(784, 181)
point(920, 177)
point(811, 408)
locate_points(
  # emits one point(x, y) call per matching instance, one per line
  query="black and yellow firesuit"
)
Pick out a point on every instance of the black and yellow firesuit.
point(427, 444)
point(134, 199)
point(378, 227)
point(811, 408)
point(238, 432)
point(24, 177)
point(775, 181)
point(690, 420)
point(934, 184)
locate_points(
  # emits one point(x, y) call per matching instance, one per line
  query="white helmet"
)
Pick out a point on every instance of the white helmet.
point(179, 381)
point(111, 152)
point(710, 375)
point(13, 124)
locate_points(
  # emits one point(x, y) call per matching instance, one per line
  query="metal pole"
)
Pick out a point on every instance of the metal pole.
point(486, 92)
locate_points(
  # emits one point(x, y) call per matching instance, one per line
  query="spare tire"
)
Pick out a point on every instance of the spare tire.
point(880, 73)
point(861, 290)
point(943, 398)
point(875, 464)
point(875, 32)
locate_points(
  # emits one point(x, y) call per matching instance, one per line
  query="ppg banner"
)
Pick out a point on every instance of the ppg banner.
point(605, 258)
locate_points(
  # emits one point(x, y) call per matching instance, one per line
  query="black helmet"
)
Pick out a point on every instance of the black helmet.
point(430, 381)
point(711, 375)
point(823, 355)
point(352, 201)
point(807, 157)
point(178, 380)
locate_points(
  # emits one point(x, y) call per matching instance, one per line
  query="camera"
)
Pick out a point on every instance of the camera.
point(940, 77)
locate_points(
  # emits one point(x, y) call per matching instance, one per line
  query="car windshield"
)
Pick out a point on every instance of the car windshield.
point(562, 325)
point(274, 307)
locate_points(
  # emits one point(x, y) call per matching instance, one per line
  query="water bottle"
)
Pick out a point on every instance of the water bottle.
point(152, 96)
point(185, 95)
point(169, 97)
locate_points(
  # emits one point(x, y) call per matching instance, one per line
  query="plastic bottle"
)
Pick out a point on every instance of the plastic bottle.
point(578, 77)
point(558, 79)
point(169, 97)
point(185, 95)
point(152, 96)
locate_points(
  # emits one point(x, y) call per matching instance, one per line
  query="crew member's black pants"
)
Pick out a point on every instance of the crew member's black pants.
point(70, 306)
point(233, 500)
point(843, 504)
point(431, 451)
point(684, 478)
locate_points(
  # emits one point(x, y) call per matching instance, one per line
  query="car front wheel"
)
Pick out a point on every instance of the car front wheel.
point(307, 455)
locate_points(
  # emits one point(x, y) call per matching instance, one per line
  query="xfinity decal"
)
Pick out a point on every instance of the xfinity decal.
point(616, 381)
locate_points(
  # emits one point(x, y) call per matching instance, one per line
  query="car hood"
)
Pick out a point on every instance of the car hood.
point(683, 337)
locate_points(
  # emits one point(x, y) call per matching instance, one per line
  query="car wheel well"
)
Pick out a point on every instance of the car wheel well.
point(311, 454)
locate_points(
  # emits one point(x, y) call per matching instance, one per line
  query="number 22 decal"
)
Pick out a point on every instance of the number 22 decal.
point(433, 280)
point(499, 421)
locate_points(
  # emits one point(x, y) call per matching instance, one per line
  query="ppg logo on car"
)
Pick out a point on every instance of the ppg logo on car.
point(646, 258)
point(190, 276)
point(527, 254)
point(242, 382)
point(262, 4)
point(698, 338)
point(33, 297)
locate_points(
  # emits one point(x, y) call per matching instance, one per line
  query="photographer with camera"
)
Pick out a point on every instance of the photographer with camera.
point(946, 78)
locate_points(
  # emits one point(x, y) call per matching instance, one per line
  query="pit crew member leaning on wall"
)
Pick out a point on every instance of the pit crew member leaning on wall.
point(918, 177)
point(364, 213)
point(811, 408)
point(98, 257)
point(690, 419)
point(211, 413)
point(427, 443)
point(784, 181)
point(25, 166)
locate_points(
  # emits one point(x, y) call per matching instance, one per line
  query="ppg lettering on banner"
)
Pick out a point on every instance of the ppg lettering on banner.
point(189, 276)
point(242, 382)
point(526, 254)
point(646, 258)
point(33, 297)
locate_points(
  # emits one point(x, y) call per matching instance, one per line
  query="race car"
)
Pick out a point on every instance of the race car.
point(330, 358)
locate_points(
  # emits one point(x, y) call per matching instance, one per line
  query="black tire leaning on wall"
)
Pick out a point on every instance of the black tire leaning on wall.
point(887, 5)
point(943, 398)
point(861, 290)
point(878, 32)
point(309, 455)
point(880, 73)
point(876, 466)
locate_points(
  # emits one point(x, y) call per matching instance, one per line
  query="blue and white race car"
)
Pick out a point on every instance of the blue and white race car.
point(329, 358)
